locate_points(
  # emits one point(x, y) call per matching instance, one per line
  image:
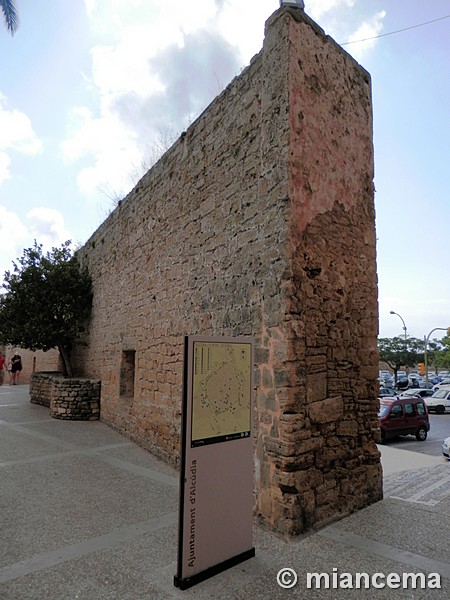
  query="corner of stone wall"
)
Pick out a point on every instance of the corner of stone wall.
point(41, 386)
point(316, 456)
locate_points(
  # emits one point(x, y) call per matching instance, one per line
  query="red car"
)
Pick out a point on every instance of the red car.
point(403, 416)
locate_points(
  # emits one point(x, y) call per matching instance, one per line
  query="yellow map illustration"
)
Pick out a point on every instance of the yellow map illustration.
point(221, 401)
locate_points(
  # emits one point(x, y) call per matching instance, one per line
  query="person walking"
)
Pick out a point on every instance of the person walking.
point(16, 368)
point(2, 367)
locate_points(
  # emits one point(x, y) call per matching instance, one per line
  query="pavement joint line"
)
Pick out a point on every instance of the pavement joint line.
point(96, 453)
point(69, 552)
point(38, 459)
point(137, 470)
point(424, 563)
point(41, 436)
point(23, 423)
point(422, 502)
point(110, 460)
point(45, 457)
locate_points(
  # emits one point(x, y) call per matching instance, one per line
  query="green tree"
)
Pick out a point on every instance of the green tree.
point(439, 354)
point(398, 352)
point(47, 301)
point(10, 14)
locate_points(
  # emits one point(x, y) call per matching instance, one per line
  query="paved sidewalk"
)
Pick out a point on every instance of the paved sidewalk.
point(87, 514)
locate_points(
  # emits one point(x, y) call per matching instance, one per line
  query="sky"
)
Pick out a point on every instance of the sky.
point(92, 92)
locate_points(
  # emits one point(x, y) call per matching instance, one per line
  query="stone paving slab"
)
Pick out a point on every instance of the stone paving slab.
point(87, 514)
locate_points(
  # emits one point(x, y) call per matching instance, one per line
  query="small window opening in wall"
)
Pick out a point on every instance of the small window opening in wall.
point(127, 369)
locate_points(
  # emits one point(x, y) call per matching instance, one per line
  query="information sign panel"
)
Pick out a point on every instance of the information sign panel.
point(216, 475)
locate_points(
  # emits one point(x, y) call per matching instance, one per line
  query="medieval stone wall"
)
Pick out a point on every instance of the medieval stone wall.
point(258, 221)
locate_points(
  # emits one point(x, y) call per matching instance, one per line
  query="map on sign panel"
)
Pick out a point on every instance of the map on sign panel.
point(221, 392)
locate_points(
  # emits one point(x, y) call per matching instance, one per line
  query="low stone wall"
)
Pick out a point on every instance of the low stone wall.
point(68, 398)
point(41, 387)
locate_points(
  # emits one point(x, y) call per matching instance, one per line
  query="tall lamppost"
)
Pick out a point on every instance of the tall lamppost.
point(404, 326)
point(425, 360)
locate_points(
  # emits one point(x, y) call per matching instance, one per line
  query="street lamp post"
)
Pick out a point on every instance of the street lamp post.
point(425, 359)
point(404, 326)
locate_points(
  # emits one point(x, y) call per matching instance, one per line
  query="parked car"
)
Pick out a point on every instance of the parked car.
point(405, 383)
point(418, 393)
point(439, 402)
point(423, 383)
point(387, 392)
point(404, 416)
point(446, 448)
point(385, 378)
point(402, 384)
point(441, 383)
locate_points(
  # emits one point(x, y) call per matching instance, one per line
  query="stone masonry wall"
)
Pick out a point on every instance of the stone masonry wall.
point(258, 221)
point(68, 398)
point(318, 442)
point(41, 388)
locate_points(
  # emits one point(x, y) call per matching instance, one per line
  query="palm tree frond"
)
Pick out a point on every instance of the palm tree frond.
point(11, 15)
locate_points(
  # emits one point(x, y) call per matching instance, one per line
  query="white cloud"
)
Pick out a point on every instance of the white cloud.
point(156, 65)
point(109, 145)
point(242, 25)
point(90, 6)
point(317, 8)
point(161, 65)
point(367, 30)
point(16, 134)
point(124, 67)
point(46, 225)
point(5, 162)
point(13, 236)
point(12, 230)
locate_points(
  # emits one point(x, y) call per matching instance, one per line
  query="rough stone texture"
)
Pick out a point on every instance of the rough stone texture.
point(68, 398)
point(259, 221)
point(41, 387)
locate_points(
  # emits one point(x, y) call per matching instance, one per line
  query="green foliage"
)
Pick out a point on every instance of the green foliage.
point(10, 15)
point(398, 352)
point(439, 354)
point(47, 301)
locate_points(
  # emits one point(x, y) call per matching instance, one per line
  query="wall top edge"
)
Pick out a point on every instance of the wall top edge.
point(300, 16)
